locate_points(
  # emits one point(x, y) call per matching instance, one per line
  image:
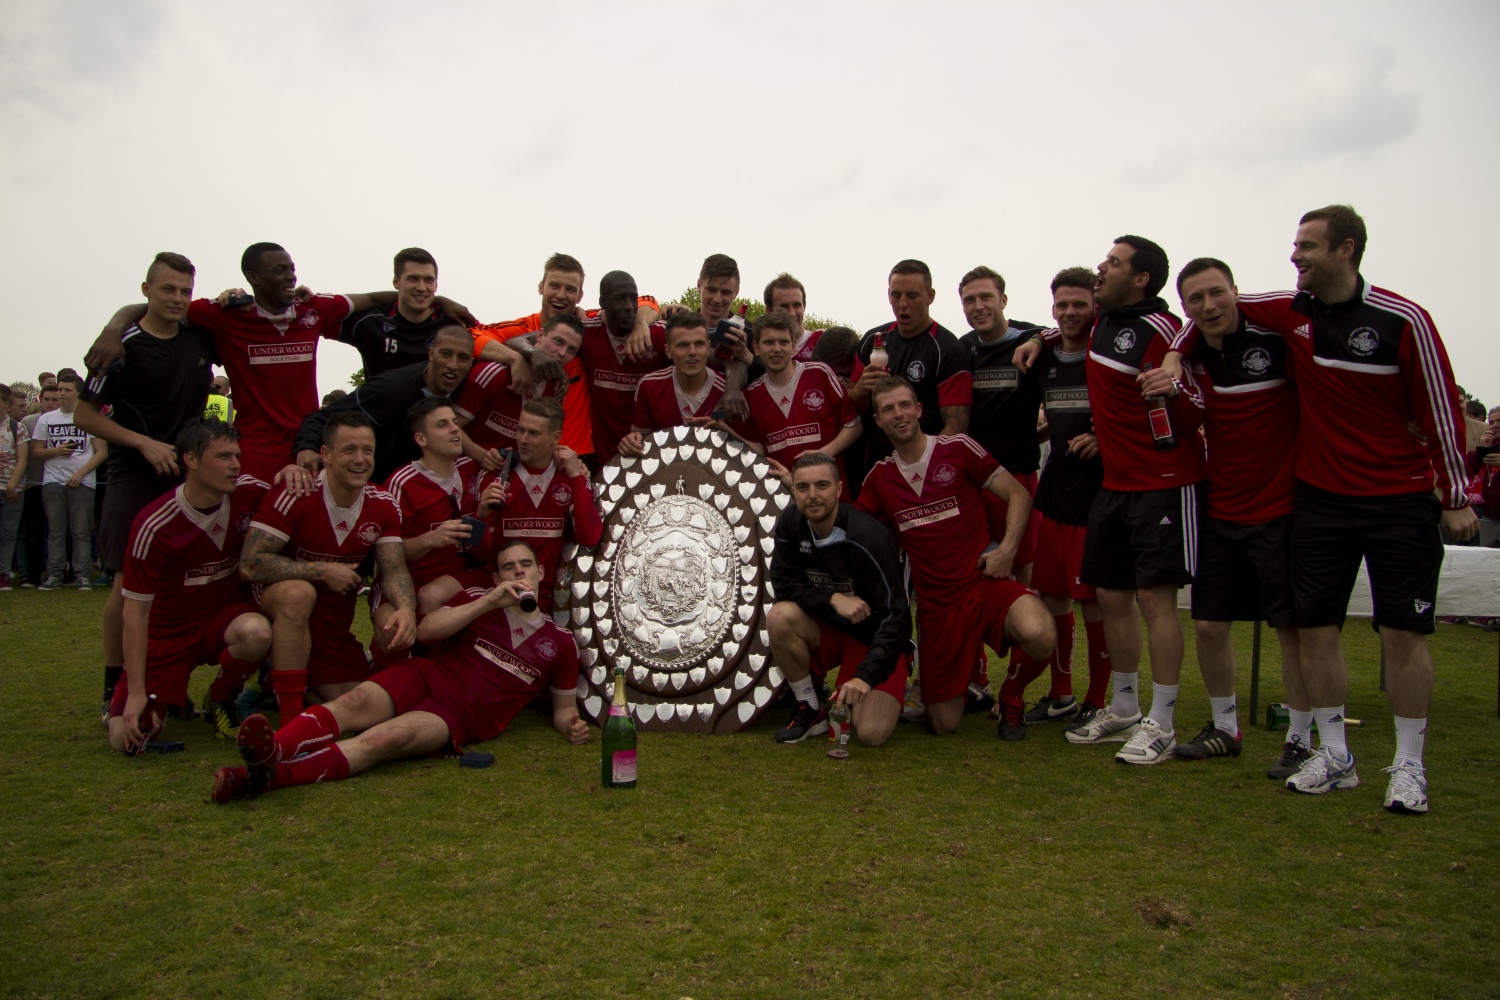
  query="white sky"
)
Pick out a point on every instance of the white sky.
point(827, 139)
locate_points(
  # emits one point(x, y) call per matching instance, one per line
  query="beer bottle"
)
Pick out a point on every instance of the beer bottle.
point(617, 770)
point(838, 730)
point(878, 356)
point(1161, 419)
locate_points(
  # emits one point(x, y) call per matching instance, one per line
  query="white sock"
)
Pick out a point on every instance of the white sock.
point(1164, 705)
point(805, 691)
point(1411, 737)
point(1299, 730)
point(1331, 729)
point(1226, 714)
point(1127, 698)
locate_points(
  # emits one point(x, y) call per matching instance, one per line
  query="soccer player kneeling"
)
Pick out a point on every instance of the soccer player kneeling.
point(498, 659)
point(841, 605)
point(184, 602)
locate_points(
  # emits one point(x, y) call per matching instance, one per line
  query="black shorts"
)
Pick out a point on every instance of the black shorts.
point(1396, 536)
point(1145, 539)
point(124, 499)
point(1244, 573)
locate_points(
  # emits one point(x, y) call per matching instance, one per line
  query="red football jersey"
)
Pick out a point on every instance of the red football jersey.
point(612, 381)
point(660, 401)
point(516, 655)
point(492, 405)
point(804, 415)
point(1364, 369)
point(272, 364)
point(1250, 422)
point(316, 530)
point(541, 506)
point(805, 345)
point(188, 558)
point(426, 501)
point(1124, 341)
point(937, 512)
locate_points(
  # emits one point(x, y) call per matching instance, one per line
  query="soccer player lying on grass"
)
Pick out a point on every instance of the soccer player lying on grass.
point(304, 552)
point(498, 659)
point(184, 548)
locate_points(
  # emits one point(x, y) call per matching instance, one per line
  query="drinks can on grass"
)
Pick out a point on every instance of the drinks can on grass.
point(1278, 717)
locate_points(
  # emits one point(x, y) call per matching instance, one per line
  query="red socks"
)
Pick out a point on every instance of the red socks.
point(232, 675)
point(310, 731)
point(1099, 665)
point(980, 675)
point(327, 764)
point(1024, 668)
point(1062, 660)
point(289, 687)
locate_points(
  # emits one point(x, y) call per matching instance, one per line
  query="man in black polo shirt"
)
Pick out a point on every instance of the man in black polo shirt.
point(398, 335)
point(1003, 420)
point(919, 350)
point(156, 389)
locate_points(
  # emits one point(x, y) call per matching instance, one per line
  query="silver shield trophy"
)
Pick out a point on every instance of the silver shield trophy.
point(677, 592)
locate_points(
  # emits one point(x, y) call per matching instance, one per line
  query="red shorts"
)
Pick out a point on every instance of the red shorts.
point(262, 461)
point(952, 636)
point(473, 709)
point(336, 657)
point(1059, 561)
point(994, 515)
point(170, 659)
point(838, 648)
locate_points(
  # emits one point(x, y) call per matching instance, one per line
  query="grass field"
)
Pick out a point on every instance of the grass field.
point(929, 867)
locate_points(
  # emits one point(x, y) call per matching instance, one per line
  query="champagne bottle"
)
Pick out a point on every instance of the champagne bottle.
point(1161, 419)
point(617, 769)
point(878, 356)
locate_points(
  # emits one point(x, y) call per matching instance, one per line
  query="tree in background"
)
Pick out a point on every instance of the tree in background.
point(756, 309)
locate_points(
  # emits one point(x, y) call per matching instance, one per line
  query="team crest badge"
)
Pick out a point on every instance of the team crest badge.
point(1364, 341)
point(562, 495)
point(814, 400)
point(368, 532)
point(1125, 341)
point(915, 371)
point(546, 649)
point(309, 318)
point(1257, 361)
point(944, 474)
point(245, 523)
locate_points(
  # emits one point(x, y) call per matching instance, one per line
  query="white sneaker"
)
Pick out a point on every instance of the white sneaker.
point(1105, 727)
point(1151, 744)
point(1324, 772)
point(1407, 791)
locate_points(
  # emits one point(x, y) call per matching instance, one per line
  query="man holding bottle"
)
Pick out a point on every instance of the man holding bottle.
point(499, 657)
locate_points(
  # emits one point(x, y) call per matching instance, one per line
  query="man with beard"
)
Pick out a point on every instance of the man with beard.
point(385, 399)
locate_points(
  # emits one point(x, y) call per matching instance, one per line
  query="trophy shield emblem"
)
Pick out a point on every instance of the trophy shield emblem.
point(677, 592)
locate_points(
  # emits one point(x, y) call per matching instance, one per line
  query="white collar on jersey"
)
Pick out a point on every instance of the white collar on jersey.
point(215, 525)
point(453, 485)
point(535, 484)
point(689, 404)
point(342, 519)
point(521, 628)
point(915, 474)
